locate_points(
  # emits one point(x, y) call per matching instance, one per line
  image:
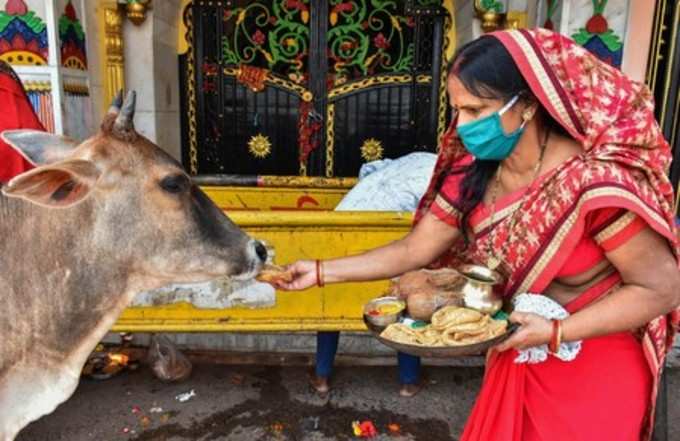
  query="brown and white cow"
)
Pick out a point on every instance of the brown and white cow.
point(80, 235)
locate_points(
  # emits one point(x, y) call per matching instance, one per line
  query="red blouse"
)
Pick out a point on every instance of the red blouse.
point(606, 229)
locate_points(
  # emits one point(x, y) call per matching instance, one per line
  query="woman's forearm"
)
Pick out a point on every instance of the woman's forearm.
point(626, 309)
point(427, 241)
point(381, 263)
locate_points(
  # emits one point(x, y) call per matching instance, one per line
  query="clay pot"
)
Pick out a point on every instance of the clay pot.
point(423, 303)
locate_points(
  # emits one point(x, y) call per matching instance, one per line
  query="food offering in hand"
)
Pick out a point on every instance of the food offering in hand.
point(450, 326)
point(274, 274)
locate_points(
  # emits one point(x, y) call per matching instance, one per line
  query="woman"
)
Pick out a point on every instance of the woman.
point(17, 113)
point(566, 196)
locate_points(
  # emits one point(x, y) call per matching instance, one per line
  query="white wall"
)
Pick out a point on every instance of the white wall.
point(151, 69)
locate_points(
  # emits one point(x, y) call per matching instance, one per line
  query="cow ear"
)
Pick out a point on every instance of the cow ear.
point(39, 148)
point(59, 185)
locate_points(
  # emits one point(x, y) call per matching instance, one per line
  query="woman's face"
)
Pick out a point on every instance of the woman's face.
point(470, 107)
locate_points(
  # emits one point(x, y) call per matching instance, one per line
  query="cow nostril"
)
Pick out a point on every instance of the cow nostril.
point(261, 251)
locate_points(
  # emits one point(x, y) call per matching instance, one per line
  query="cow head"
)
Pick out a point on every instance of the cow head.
point(138, 205)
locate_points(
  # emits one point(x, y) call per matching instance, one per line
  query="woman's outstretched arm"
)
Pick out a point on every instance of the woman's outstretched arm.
point(429, 239)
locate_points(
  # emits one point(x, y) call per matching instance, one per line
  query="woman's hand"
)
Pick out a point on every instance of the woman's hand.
point(304, 276)
point(534, 330)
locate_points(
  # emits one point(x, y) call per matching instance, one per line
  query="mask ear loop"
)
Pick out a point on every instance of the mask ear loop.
point(507, 107)
point(509, 104)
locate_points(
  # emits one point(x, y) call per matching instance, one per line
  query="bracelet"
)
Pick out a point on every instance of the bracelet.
point(319, 274)
point(556, 338)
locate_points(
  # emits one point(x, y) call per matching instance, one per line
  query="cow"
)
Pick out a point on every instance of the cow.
point(80, 235)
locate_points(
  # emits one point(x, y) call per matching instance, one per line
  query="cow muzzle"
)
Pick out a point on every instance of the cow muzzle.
point(257, 255)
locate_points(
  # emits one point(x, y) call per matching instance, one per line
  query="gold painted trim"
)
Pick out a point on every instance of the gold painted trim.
point(376, 80)
point(303, 93)
point(657, 43)
point(114, 59)
point(76, 89)
point(314, 182)
point(37, 86)
point(671, 61)
point(182, 45)
point(191, 92)
point(448, 49)
point(676, 121)
point(330, 139)
point(451, 31)
point(352, 219)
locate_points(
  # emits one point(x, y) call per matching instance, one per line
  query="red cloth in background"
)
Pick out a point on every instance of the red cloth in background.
point(16, 112)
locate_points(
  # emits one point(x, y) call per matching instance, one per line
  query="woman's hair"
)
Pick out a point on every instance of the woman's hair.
point(487, 70)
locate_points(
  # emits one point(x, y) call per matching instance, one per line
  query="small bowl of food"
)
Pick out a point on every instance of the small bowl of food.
point(384, 311)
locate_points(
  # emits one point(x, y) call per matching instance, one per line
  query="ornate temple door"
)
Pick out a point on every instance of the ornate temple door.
point(663, 77)
point(310, 87)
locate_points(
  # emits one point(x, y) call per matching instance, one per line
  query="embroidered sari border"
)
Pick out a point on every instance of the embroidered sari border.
point(538, 78)
point(627, 200)
point(616, 227)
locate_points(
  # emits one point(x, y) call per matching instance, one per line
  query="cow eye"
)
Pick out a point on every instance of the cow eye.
point(175, 184)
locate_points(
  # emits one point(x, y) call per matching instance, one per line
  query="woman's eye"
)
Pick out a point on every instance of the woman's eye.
point(469, 113)
point(175, 184)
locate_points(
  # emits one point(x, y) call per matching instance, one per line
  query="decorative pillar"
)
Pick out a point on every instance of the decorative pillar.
point(114, 61)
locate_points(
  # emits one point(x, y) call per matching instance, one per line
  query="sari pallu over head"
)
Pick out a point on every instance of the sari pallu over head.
point(624, 164)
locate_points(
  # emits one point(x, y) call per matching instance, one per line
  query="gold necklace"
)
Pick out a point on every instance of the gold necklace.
point(493, 261)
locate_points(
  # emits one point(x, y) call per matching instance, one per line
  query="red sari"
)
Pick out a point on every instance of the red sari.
point(570, 217)
point(17, 113)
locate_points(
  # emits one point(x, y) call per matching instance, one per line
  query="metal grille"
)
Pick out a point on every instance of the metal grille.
point(267, 75)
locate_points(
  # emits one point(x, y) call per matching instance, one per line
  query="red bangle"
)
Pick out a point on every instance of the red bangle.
point(556, 338)
point(319, 274)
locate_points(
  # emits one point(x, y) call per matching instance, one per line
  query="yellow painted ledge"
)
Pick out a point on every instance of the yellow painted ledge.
point(294, 235)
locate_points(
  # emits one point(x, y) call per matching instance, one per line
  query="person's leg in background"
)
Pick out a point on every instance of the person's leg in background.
point(409, 374)
point(326, 348)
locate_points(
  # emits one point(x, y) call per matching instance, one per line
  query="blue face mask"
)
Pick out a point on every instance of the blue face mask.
point(485, 138)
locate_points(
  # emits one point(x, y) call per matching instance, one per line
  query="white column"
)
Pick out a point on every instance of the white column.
point(54, 63)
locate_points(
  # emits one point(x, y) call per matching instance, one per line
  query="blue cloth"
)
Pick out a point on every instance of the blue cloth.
point(327, 347)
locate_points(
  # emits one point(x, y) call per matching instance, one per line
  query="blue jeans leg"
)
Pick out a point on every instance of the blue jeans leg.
point(326, 347)
point(409, 368)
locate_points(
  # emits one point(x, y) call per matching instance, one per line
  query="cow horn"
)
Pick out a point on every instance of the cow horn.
point(116, 103)
point(127, 112)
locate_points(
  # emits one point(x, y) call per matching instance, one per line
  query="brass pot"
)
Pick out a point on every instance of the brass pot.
point(481, 289)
